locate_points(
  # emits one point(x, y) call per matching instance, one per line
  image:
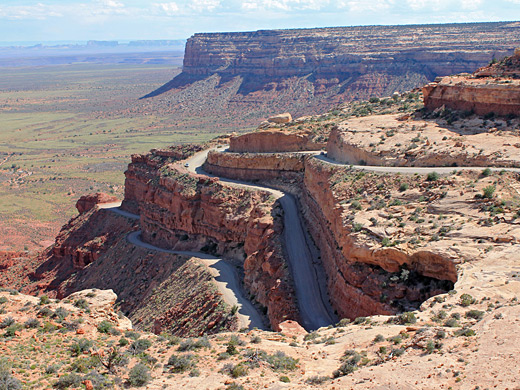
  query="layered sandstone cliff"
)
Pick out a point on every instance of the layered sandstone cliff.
point(493, 90)
point(184, 211)
point(363, 278)
point(341, 63)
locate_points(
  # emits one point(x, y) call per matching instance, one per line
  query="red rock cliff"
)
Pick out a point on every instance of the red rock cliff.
point(193, 212)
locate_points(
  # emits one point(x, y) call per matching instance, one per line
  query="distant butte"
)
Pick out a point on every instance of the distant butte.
point(316, 68)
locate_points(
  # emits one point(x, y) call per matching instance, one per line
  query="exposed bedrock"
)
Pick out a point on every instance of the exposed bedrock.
point(351, 62)
point(491, 90)
point(474, 95)
point(274, 140)
point(361, 280)
point(183, 211)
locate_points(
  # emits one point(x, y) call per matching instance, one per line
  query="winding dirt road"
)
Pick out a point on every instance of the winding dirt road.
point(226, 276)
point(308, 275)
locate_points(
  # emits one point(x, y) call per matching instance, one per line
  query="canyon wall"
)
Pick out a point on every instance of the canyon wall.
point(251, 166)
point(273, 140)
point(340, 63)
point(184, 211)
point(479, 96)
point(358, 275)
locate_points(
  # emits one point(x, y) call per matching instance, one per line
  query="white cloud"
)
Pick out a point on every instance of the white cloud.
point(39, 11)
point(284, 5)
point(111, 3)
point(204, 5)
point(362, 6)
point(167, 8)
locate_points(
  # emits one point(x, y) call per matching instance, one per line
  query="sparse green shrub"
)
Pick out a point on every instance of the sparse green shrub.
point(132, 335)
point(397, 339)
point(83, 365)
point(475, 314)
point(3, 300)
point(488, 191)
point(281, 362)
point(345, 369)
point(6, 322)
point(356, 205)
point(432, 176)
point(194, 345)
point(397, 352)
point(256, 340)
point(68, 380)
point(239, 370)
point(317, 380)
point(486, 172)
point(379, 338)
point(104, 326)
point(452, 323)
point(466, 300)
point(139, 375)
point(235, 386)
point(123, 342)
point(7, 380)
point(285, 379)
point(359, 320)
point(80, 346)
point(467, 332)
point(60, 313)
point(405, 318)
point(181, 363)
point(342, 323)
point(45, 312)
point(223, 356)
point(52, 369)
point(403, 187)
point(140, 345)
point(11, 330)
point(32, 323)
point(44, 300)
point(82, 304)
point(98, 381)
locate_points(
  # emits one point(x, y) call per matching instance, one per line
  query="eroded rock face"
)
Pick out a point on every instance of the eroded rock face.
point(87, 202)
point(274, 140)
point(185, 211)
point(341, 63)
point(491, 90)
point(362, 280)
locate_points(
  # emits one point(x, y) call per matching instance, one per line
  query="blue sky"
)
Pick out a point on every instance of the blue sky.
point(81, 20)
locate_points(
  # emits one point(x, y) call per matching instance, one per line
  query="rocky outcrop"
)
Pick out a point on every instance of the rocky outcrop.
point(88, 202)
point(184, 211)
point(274, 140)
point(493, 90)
point(340, 63)
point(362, 279)
point(474, 95)
point(251, 166)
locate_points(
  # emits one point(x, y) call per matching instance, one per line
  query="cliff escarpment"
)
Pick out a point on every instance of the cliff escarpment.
point(493, 90)
point(363, 277)
point(320, 67)
point(184, 211)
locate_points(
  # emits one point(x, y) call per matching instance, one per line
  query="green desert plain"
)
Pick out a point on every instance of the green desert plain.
point(69, 130)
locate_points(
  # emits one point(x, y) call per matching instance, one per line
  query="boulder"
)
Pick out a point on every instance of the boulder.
point(280, 118)
point(87, 202)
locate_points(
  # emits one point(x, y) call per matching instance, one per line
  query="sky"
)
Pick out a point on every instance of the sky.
point(82, 20)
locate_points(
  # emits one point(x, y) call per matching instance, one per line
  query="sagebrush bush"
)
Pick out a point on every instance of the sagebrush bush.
point(139, 375)
point(181, 363)
point(7, 380)
point(104, 326)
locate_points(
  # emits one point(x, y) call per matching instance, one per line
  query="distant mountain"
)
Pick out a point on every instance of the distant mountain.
point(313, 69)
